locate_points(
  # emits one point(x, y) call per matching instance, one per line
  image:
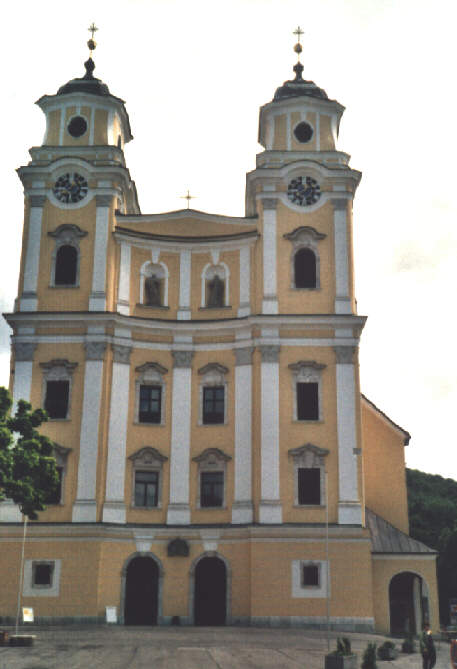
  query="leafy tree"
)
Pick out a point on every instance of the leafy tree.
point(28, 472)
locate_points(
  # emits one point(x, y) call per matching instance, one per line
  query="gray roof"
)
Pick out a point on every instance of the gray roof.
point(385, 538)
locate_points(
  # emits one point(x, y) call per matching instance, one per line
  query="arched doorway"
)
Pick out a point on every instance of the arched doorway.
point(408, 603)
point(141, 592)
point(210, 598)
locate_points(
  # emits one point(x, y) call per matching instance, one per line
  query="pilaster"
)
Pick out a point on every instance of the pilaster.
point(349, 507)
point(123, 295)
point(270, 510)
point(97, 299)
point(85, 507)
point(245, 282)
point(342, 296)
point(178, 506)
point(29, 299)
point(270, 300)
point(114, 507)
point(23, 368)
point(242, 510)
point(184, 313)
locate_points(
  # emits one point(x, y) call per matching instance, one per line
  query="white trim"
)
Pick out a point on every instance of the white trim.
point(270, 510)
point(114, 507)
point(29, 590)
point(349, 509)
point(123, 298)
point(245, 282)
point(270, 302)
point(85, 508)
point(22, 382)
point(309, 592)
point(410, 557)
point(29, 300)
point(178, 509)
point(184, 284)
point(242, 510)
point(97, 299)
point(342, 301)
point(92, 125)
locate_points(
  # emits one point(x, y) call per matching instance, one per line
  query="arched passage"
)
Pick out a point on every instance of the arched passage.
point(141, 591)
point(210, 592)
point(408, 603)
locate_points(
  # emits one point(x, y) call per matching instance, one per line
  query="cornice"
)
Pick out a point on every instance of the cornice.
point(126, 234)
point(180, 214)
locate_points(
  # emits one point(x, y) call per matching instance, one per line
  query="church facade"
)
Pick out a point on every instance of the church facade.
point(218, 463)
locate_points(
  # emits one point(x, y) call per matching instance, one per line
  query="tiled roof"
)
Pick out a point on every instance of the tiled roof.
point(385, 538)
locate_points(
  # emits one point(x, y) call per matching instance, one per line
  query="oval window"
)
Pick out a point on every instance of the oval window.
point(303, 132)
point(77, 126)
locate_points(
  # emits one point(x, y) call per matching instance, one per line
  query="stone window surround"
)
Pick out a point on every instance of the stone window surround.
point(150, 374)
point(306, 457)
point(58, 369)
point(209, 272)
point(31, 590)
point(213, 374)
point(61, 455)
point(309, 591)
point(149, 459)
point(147, 269)
point(304, 237)
point(212, 460)
point(67, 234)
point(307, 371)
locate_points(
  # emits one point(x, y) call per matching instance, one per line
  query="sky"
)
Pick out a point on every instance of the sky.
point(194, 74)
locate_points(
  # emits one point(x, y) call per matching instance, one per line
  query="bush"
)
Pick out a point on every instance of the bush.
point(385, 650)
point(369, 657)
point(343, 647)
point(408, 645)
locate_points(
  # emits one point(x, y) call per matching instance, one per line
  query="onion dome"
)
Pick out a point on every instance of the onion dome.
point(298, 87)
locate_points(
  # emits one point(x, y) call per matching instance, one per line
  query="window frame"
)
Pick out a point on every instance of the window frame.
point(212, 375)
point(161, 270)
point(58, 370)
point(67, 234)
point(304, 237)
point(150, 374)
point(156, 483)
point(300, 590)
point(29, 589)
point(307, 371)
point(151, 387)
point(212, 460)
point(149, 459)
point(61, 454)
point(210, 270)
point(203, 476)
point(309, 456)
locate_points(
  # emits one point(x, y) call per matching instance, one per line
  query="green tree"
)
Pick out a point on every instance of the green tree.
point(28, 473)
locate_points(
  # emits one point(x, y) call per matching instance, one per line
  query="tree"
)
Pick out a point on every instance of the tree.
point(28, 473)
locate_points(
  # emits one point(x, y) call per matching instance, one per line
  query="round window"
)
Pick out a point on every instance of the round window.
point(303, 132)
point(77, 126)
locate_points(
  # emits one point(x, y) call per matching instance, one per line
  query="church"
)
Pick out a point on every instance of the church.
point(218, 463)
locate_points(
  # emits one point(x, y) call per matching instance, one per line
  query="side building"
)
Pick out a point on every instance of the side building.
point(201, 377)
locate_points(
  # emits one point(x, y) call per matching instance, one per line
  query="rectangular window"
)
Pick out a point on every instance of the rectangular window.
point(309, 485)
point(211, 489)
point(56, 401)
point(307, 401)
point(213, 405)
point(42, 574)
point(310, 576)
point(150, 404)
point(146, 488)
point(56, 497)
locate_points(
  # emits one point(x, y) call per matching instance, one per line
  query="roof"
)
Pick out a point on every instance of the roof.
point(389, 420)
point(299, 87)
point(385, 538)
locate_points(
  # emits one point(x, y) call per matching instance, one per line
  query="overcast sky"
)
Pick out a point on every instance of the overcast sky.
point(194, 74)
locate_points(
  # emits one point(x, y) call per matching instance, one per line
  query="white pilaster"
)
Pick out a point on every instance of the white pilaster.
point(123, 296)
point(342, 297)
point(270, 301)
point(184, 313)
point(97, 299)
point(178, 506)
point(349, 508)
point(114, 507)
point(29, 300)
point(85, 507)
point(242, 510)
point(245, 281)
point(270, 510)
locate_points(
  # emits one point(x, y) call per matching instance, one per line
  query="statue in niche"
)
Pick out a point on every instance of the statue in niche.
point(152, 297)
point(215, 292)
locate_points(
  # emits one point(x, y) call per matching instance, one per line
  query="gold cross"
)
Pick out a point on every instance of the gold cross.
point(92, 29)
point(188, 197)
point(299, 32)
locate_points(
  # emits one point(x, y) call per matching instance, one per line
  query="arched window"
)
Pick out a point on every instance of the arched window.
point(66, 266)
point(305, 268)
point(154, 285)
point(215, 286)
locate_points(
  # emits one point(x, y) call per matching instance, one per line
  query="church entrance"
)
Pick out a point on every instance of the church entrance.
point(408, 603)
point(210, 603)
point(141, 592)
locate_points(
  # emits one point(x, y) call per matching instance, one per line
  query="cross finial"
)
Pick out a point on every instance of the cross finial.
point(92, 29)
point(188, 197)
point(298, 47)
point(299, 32)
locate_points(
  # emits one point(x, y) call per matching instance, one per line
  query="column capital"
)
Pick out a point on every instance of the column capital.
point(95, 350)
point(339, 203)
point(182, 358)
point(344, 354)
point(103, 200)
point(243, 356)
point(37, 200)
point(121, 353)
point(24, 351)
point(270, 202)
point(269, 352)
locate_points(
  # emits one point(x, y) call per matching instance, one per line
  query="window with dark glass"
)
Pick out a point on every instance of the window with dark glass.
point(305, 269)
point(150, 404)
point(211, 489)
point(66, 266)
point(56, 401)
point(42, 574)
point(309, 485)
point(146, 488)
point(55, 496)
point(310, 575)
point(308, 401)
point(213, 404)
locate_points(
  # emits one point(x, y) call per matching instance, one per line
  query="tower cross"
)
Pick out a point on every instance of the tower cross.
point(92, 29)
point(299, 32)
point(188, 197)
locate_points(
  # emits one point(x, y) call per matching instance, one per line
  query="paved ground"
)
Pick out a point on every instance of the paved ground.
point(188, 648)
